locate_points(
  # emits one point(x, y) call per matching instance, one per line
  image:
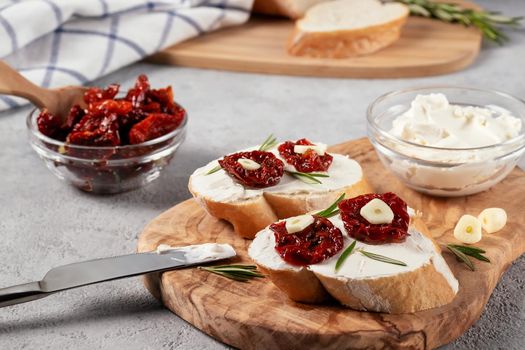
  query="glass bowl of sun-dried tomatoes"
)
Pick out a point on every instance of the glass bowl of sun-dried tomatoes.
point(115, 142)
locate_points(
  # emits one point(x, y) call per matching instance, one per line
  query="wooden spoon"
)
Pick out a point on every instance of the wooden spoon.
point(56, 101)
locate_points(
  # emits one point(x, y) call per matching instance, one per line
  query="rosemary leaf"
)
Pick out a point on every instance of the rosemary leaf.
point(214, 170)
point(332, 209)
point(246, 267)
point(329, 215)
point(267, 144)
point(382, 258)
point(465, 248)
point(241, 273)
point(462, 257)
point(344, 255)
point(479, 257)
point(309, 178)
point(471, 251)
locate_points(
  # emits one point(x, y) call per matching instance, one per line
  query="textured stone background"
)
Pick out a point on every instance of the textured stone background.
point(45, 223)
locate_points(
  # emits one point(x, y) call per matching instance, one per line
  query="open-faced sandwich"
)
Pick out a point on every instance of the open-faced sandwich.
point(370, 253)
point(255, 187)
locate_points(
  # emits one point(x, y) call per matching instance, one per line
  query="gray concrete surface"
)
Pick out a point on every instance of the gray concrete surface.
point(45, 223)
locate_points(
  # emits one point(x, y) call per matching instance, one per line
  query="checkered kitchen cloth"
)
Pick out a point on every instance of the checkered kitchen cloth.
point(71, 42)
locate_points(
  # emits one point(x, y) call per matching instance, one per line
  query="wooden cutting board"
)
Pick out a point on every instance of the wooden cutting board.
point(256, 315)
point(427, 47)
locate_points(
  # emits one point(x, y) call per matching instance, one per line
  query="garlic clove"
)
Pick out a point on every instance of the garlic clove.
point(248, 164)
point(468, 229)
point(493, 219)
point(298, 223)
point(319, 148)
point(377, 212)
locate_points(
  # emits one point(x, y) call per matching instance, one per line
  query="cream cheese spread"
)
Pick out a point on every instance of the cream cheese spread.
point(433, 121)
point(199, 252)
point(221, 187)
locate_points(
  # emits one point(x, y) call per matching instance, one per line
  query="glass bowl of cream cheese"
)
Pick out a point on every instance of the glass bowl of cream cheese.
point(446, 140)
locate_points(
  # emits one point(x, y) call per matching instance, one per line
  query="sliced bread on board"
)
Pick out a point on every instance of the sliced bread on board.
point(347, 28)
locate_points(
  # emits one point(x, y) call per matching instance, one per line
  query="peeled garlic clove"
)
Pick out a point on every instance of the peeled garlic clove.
point(298, 223)
point(468, 229)
point(319, 148)
point(493, 219)
point(248, 164)
point(377, 212)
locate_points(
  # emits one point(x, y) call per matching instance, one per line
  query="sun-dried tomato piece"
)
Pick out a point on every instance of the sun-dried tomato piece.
point(269, 174)
point(106, 107)
point(358, 227)
point(96, 94)
point(75, 115)
point(306, 162)
point(49, 124)
point(101, 130)
point(316, 243)
point(137, 94)
point(164, 97)
point(153, 126)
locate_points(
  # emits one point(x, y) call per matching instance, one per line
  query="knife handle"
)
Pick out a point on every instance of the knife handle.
point(21, 293)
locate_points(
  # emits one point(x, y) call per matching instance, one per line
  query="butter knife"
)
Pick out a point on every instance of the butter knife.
point(107, 269)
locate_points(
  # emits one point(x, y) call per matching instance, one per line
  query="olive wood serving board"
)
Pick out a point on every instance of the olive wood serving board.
point(256, 315)
point(426, 47)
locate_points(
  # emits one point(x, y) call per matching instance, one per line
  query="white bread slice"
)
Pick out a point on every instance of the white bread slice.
point(251, 210)
point(347, 28)
point(362, 283)
point(288, 8)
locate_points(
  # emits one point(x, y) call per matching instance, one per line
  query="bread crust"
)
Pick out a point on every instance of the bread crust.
point(345, 43)
point(302, 286)
point(250, 216)
point(392, 294)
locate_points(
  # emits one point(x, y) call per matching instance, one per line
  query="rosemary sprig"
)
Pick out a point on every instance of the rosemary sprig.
point(470, 251)
point(344, 255)
point(214, 170)
point(241, 273)
point(489, 22)
point(269, 143)
point(309, 178)
point(332, 209)
point(382, 258)
point(461, 256)
point(462, 252)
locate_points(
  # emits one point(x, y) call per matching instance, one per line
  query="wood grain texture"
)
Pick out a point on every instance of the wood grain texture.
point(256, 315)
point(426, 47)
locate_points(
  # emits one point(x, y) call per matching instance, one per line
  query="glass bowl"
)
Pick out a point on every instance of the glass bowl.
point(448, 172)
point(106, 170)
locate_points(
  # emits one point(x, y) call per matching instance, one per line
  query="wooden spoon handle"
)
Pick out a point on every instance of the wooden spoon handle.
point(13, 83)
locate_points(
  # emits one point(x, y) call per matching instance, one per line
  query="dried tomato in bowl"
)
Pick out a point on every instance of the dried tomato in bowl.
point(142, 115)
point(308, 161)
point(112, 144)
point(269, 173)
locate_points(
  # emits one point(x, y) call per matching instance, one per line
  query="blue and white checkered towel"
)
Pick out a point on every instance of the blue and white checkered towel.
point(72, 42)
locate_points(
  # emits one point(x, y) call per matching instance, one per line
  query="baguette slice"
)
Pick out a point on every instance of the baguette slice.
point(288, 8)
point(362, 283)
point(251, 210)
point(347, 28)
